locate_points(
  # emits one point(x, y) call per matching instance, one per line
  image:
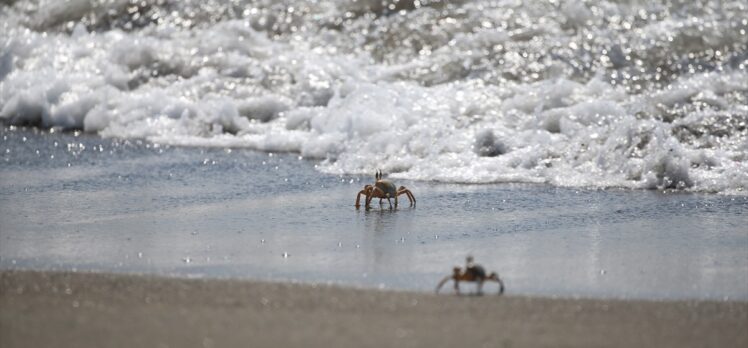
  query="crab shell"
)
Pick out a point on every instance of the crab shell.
point(389, 189)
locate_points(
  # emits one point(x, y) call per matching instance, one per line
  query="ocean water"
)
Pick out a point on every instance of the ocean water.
point(73, 201)
point(579, 148)
point(634, 94)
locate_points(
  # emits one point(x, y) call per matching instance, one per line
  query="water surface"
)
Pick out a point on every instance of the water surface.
point(593, 93)
point(82, 202)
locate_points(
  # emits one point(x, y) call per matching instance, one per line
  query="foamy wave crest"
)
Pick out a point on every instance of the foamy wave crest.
point(570, 93)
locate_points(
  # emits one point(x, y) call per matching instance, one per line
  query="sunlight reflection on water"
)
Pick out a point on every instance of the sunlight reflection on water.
point(138, 209)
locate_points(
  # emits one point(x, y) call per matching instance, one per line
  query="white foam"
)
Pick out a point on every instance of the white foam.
point(485, 96)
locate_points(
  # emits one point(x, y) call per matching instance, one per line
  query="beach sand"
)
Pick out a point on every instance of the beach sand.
point(63, 309)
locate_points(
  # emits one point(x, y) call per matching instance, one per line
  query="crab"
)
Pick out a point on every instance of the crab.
point(472, 273)
point(383, 189)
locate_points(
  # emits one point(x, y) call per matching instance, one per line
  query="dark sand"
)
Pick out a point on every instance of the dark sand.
point(48, 309)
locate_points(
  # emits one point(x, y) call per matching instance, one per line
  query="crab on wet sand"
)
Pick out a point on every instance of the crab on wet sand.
point(383, 189)
point(472, 273)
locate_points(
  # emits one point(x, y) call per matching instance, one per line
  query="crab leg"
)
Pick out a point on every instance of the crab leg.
point(480, 286)
point(495, 277)
point(407, 192)
point(442, 282)
point(375, 192)
point(411, 199)
point(358, 197)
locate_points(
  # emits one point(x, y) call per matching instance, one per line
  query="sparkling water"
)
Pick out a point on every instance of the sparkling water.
point(650, 95)
point(80, 202)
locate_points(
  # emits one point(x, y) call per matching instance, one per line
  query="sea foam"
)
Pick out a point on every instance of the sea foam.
point(571, 93)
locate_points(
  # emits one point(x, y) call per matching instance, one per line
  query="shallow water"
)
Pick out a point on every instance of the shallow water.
point(82, 202)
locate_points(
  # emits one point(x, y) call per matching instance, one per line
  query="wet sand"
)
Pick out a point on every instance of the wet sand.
point(54, 309)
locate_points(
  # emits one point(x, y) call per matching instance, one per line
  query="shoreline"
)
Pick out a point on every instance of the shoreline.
point(468, 289)
point(250, 215)
point(44, 309)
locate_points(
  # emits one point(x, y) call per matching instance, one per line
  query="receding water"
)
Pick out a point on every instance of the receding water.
point(81, 202)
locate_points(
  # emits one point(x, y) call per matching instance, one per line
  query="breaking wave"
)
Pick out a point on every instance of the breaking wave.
point(570, 93)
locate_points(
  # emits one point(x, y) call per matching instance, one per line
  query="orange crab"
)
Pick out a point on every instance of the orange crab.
point(383, 189)
point(472, 273)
